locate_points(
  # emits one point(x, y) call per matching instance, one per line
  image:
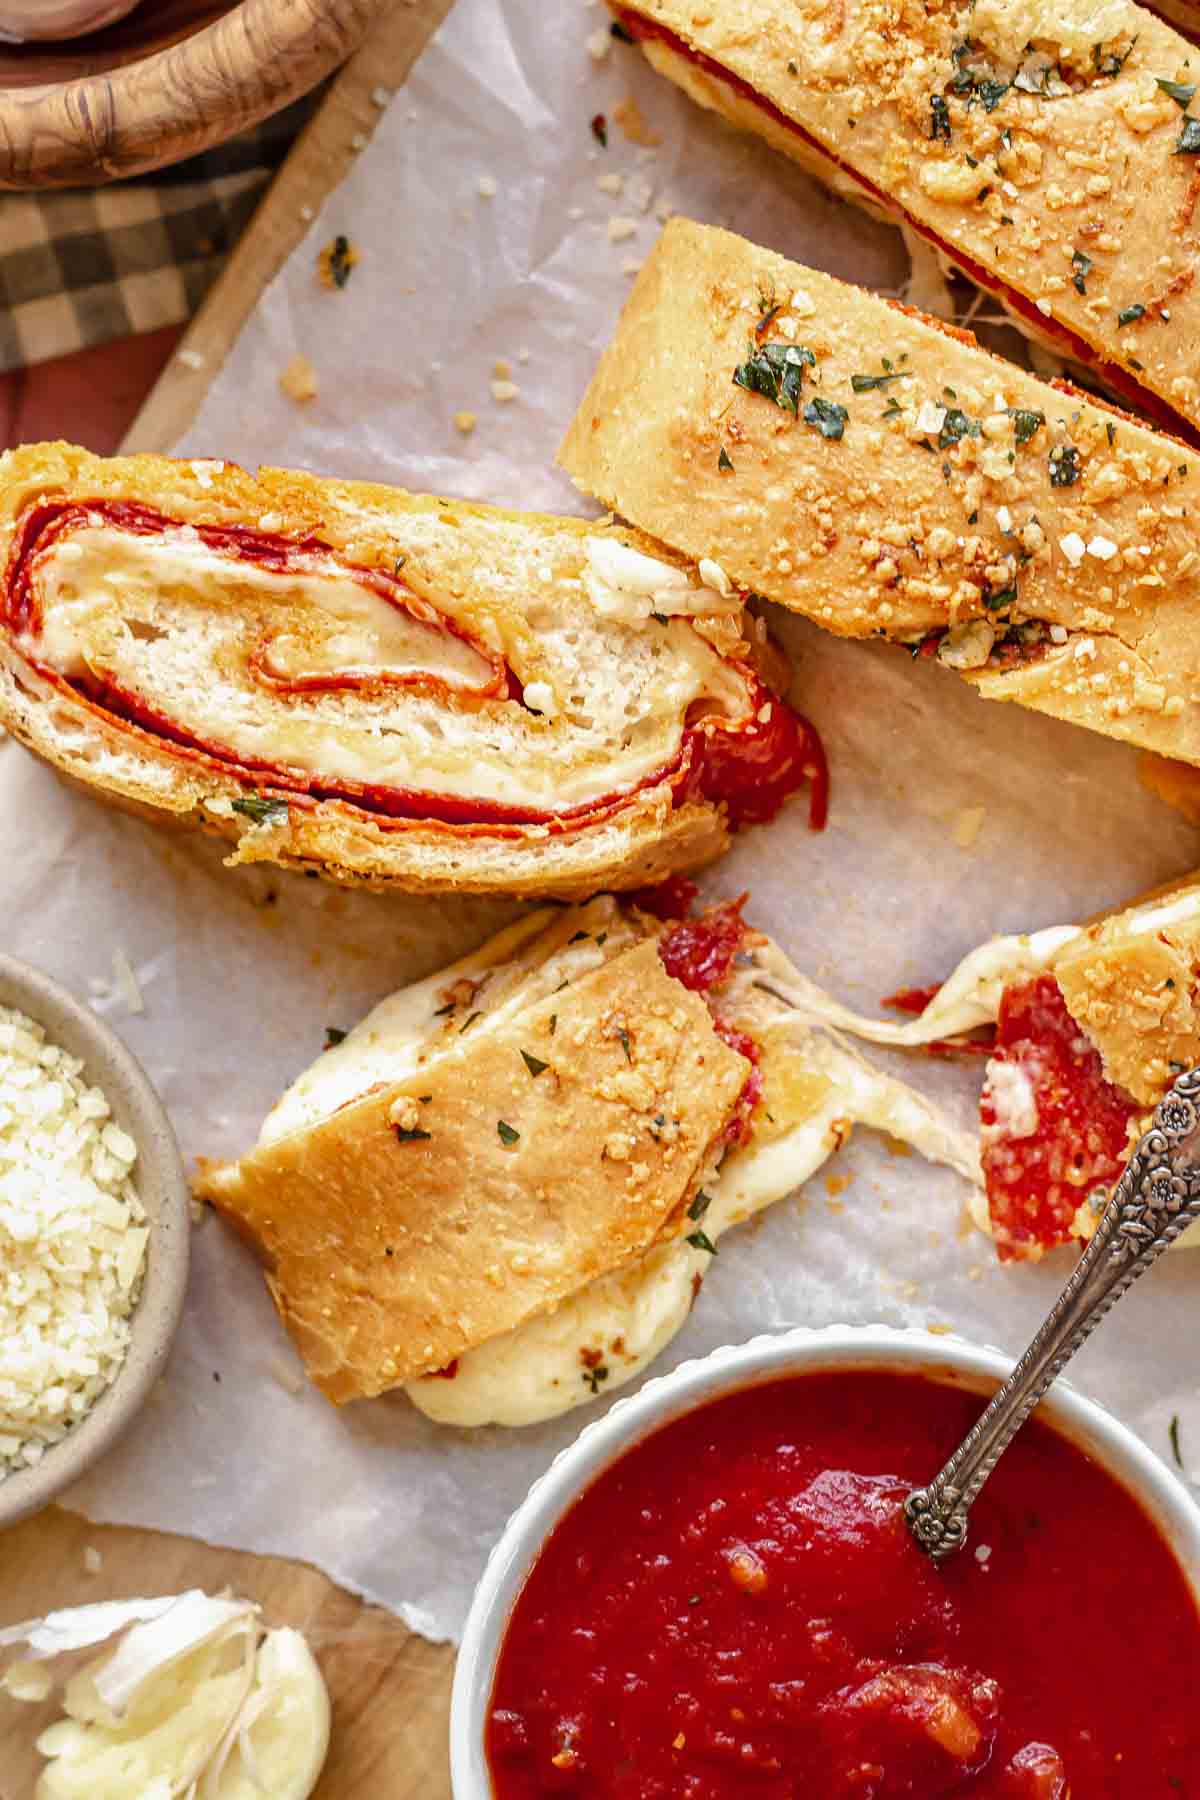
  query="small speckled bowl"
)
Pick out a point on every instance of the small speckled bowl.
point(162, 1189)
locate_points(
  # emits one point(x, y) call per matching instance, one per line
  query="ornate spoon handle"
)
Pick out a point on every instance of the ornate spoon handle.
point(1157, 1197)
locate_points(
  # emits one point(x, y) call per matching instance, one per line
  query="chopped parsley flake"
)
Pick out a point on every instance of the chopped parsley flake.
point(507, 1134)
point(337, 261)
point(1005, 596)
point(623, 1037)
point(699, 1206)
point(467, 1023)
point(940, 122)
point(534, 1064)
point(1064, 466)
point(595, 1376)
point(1173, 1434)
point(333, 1036)
point(578, 936)
point(699, 1240)
point(862, 384)
point(1112, 61)
point(553, 1023)
point(1128, 315)
point(262, 809)
point(957, 425)
point(826, 416)
point(1081, 262)
point(441, 1011)
point(1110, 432)
point(723, 461)
point(775, 371)
point(414, 1136)
point(1026, 422)
point(1188, 143)
point(1181, 92)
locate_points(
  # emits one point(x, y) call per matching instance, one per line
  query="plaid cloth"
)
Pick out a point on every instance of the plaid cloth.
point(83, 265)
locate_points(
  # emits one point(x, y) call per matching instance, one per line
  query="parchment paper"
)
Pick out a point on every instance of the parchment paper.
point(243, 970)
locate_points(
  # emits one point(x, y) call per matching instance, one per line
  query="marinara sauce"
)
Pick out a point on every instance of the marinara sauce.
point(735, 1611)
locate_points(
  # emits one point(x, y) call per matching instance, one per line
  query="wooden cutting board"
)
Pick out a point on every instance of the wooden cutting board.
point(390, 1689)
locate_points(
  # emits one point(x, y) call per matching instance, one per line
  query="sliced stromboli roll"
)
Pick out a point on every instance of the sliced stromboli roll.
point(383, 687)
point(887, 477)
point(1044, 148)
point(1085, 1028)
point(503, 1189)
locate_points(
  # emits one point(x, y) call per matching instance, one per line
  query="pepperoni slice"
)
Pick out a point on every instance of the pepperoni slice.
point(1054, 1129)
point(700, 952)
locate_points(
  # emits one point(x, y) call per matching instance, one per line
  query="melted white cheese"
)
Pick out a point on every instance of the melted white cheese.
point(1177, 909)
point(1013, 1102)
point(405, 1032)
point(970, 996)
point(348, 630)
point(624, 584)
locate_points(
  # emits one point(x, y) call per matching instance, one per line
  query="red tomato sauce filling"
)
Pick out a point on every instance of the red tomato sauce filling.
point(700, 953)
point(735, 1611)
point(1113, 375)
point(1054, 1129)
point(749, 765)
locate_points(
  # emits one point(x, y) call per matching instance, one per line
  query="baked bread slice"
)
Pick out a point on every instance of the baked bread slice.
point(887, 477)
point(503, 1188)
point(1085, 1028)
point(382, 687)
point(1044, 148)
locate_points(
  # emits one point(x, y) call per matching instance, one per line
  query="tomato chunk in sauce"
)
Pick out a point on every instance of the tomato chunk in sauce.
point(1054, 1129)
point(735, 1611)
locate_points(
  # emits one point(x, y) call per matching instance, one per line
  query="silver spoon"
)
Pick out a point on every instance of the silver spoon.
point(1156, 1198)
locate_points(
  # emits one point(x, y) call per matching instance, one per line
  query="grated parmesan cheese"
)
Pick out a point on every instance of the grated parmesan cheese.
point(72, 1243)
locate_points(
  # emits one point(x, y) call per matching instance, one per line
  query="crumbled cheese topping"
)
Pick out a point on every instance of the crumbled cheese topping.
point(624, 584)
point(1073, 548)
point(72, 1242)
point(967, 646)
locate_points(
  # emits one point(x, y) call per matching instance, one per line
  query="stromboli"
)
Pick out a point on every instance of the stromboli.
point(901, 482)
point(1030, 141)
point(382, 687)
point(502, 1189)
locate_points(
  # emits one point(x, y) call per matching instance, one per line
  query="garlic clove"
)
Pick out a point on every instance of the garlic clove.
point(193, 1699)
point(46, 21)
point(282, 1739)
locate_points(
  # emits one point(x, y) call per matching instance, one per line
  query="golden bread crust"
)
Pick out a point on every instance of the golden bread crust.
point(1012, 184)
point(389, 1256)
point(901, 528)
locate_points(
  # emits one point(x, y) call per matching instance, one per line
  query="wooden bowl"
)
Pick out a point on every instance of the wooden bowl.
point(173, 78)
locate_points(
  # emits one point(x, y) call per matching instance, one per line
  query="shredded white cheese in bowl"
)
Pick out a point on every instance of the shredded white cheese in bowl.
point(93, 1238)
point(72, 1242)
